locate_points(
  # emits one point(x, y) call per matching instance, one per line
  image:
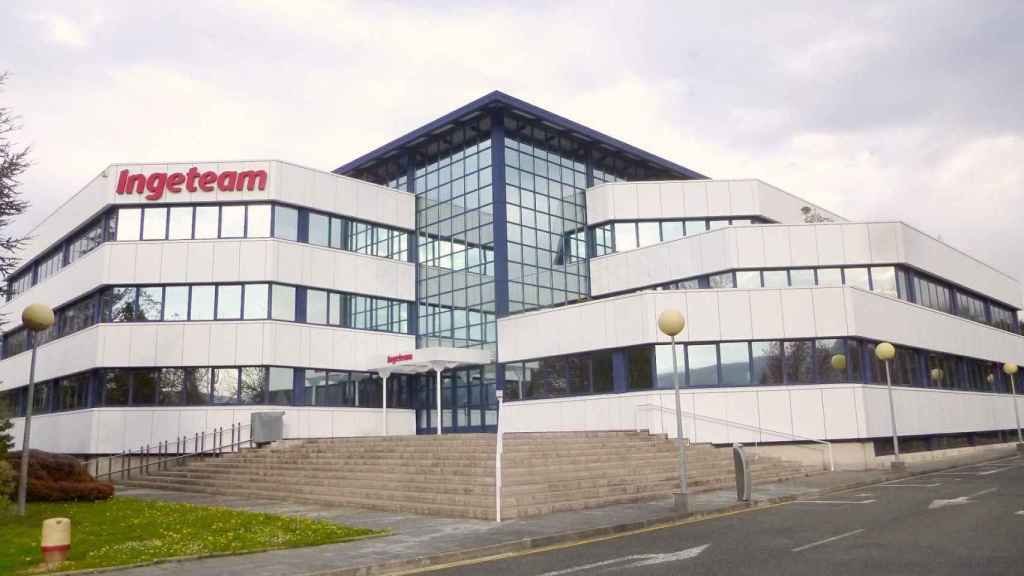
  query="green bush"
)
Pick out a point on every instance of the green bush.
point(8, 481)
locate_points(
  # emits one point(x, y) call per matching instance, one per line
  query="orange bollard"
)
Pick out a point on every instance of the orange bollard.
point(56, 541)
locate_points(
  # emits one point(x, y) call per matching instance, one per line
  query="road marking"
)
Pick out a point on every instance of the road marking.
point(635, 561)
point(834, 501)
point(932, 485)
point(957, 501)
point(827, 540)
point(996, 471)
point(1020, 513)
point(864, 495)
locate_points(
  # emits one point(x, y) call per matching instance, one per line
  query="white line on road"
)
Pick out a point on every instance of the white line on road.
point(834, 501)
point(634, 560)
point(826, 540)
point(957, 501)
point(932, 485)
point(1020, 513)
point(986, 473)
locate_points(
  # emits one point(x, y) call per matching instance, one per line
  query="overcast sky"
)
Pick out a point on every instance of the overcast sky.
point(908, 110)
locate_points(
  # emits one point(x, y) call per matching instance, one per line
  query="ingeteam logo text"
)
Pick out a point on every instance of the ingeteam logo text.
point(155, 184)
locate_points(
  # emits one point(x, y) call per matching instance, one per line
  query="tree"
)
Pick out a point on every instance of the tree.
point(13, 163)
point(6, 439)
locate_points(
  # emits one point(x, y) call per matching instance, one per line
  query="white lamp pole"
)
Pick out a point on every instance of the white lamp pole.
point(671, 323)
point(886, 352)
point(1011, 369)
point(35, 318)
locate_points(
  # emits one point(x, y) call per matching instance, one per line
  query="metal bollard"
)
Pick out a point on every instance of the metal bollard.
point(743, 482)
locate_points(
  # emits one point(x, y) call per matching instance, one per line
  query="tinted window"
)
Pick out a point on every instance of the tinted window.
point(663, 363)
point(151, 303)
point(286, 223)
point(625, 236)
point(640, 369)
point(281, 385)
point(197, 391)
point(857, 277)
point(119, 305)
point(830, 361)
point(799, 362)
point(172, 386)
point(116, 384)
point(316, 306)
point(775, 279)
point(883, 280)
point(319, 229)
point(766, 359)
point(695, 226)
point(801, 278)
point(650, 233)
point(735, 361)
point(671, 230)
point(254, 381)
point(225, 386)
point(144, 387)
point(830, 277)
point(748, 279)
point(283, 299)
point(604, 380)
point(181, 223)
point(702, 365)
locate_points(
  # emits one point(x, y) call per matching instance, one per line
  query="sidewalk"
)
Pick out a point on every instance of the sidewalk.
point(419, 541)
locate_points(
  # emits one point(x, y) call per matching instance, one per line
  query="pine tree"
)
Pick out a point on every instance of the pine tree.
point(13, 163)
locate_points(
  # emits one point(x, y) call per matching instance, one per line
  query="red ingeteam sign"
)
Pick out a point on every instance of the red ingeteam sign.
point(399, 358)
point(155, 184)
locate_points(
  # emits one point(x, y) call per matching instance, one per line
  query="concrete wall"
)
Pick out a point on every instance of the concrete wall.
point(111, 430)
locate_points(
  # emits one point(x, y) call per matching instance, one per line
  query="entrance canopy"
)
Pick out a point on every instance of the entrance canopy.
point(427, 359)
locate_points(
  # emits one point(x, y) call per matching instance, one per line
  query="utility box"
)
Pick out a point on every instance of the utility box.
point(743, 483)
point(266, 427)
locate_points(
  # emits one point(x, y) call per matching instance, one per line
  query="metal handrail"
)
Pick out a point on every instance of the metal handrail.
point(180, 451)
point(749, 427)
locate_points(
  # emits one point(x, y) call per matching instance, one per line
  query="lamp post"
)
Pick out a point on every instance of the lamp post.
point(1010, 368)
point(886, 352)
point(35, 318)
point(671, 323)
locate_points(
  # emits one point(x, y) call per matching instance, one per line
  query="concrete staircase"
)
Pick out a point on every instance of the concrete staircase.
point(453, 475)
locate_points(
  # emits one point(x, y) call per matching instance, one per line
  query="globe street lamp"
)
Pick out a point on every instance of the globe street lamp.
point(886, 352)
point(1011, 369)
point(35, 318)
point(671, 323)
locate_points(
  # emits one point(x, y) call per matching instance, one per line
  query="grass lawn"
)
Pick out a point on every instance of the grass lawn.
point(127, 531)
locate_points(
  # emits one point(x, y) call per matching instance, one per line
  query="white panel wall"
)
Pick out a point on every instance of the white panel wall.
point(758, 314)
point(196, 261)
point(112, 430)
point(781, 413)
point(804, 245)
point(695, 199)
point(205, 344)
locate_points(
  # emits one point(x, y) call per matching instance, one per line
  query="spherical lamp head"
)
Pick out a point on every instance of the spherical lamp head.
point(37, 317)
point(937, 374)
point(885, 351)
point(1010, 368)
point(671, 322)
point(839, 362)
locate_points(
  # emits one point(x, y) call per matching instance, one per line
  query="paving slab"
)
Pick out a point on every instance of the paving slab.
point(419, 541)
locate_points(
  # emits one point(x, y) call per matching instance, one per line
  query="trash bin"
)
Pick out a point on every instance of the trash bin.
point(742, 473)
point(266, 427)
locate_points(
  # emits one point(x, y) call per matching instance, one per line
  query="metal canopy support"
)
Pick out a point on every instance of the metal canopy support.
point(384, 375)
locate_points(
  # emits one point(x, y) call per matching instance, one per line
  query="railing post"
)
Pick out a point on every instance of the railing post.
point(232, 436)
point(831, 460)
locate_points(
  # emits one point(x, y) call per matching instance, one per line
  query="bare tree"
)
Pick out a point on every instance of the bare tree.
point(13, 163)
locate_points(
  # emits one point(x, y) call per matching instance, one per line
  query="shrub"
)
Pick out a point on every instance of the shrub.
point(6, 439)
point(58, 477)
point(8, 481)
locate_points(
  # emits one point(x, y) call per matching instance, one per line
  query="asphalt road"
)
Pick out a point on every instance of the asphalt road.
point(965, 521)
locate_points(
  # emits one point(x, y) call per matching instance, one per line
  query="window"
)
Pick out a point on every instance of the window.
point(735, 361)
point(315, 383)
point(254, 384)
point(830, 361)
point(176, 303)
point(855, 360)
point(695, 227)
point(71, 392)
point(172, 387)
point(883, 280)
point(640, 369)
point(702, 365)
point(257, 221)
point(649, 233)
point(578, 374)
point(119, 305)
point(766, 360)
point(129, 222)
point(857, 277)
point(154, 224)
point(801, 278)
point(49, 265)
point(799, 362)
point(283, 299)
point(225, 386)
point(319, 229)
point(604, 380)
point(257, 297)
point(86, 241)
point(78, 316)
point(281, 382)
point(180, 225)
point(201, 307)
point(672, 230)
point(151, 301)
point(116, 386)
point(144, 387)
point(723, 280)
point(286, 223)
point(748, 279)
point(715, 224)
point(625, 236)
point(775, 279)
point(206, 222)
point(232, 221)
point(830, 277)
point(229, 302)
point(197, 392)
point(663, 364)
point(334, 309)
point(316, 306)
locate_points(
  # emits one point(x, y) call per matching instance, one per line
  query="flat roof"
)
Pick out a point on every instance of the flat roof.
point(499, 99)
